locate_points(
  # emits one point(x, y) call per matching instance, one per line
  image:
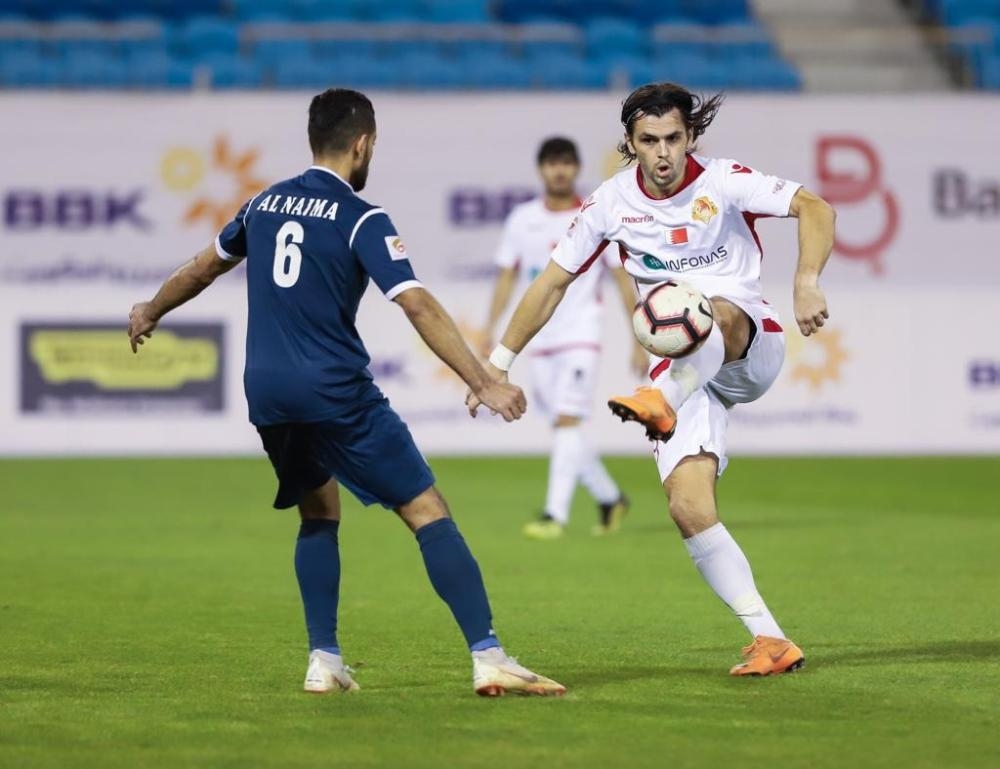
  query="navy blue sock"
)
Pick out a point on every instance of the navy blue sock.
point(317, 566)
point(455, 576)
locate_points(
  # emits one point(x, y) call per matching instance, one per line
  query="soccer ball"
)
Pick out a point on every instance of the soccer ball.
point(673, 320)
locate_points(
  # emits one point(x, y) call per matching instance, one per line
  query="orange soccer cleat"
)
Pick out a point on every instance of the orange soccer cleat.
point(648, 406)
point(769, 655)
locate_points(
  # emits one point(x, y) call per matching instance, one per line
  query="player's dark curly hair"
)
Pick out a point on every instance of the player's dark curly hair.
point(658, 99)
point(337, 117)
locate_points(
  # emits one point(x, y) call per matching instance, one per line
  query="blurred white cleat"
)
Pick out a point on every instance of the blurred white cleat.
point(494, 674)
point(327, 673)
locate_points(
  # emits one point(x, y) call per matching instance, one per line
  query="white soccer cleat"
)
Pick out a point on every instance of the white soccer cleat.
point(494, 674)
point(327, 673)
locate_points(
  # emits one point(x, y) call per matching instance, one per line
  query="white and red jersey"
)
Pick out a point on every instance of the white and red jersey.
point(703, 233)
point(530, 234)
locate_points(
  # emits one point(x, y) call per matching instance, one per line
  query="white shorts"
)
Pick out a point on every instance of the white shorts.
point(563, 382)
point(702, 420)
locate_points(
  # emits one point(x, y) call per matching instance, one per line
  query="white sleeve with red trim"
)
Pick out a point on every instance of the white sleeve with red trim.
point(754, 192)
point(509, 251)
point(586, 237)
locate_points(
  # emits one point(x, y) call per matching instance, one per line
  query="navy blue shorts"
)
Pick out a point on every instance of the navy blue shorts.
point(370, 452)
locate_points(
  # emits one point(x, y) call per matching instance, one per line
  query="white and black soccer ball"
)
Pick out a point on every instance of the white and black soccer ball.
point(673, 320)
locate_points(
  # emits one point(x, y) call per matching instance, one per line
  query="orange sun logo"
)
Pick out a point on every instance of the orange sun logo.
point(820, 360)
point(184, 168)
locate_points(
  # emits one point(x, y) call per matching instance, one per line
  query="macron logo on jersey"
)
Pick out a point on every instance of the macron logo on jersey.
point(317, 208)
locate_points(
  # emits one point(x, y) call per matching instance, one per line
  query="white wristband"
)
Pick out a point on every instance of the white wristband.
point(502, 358)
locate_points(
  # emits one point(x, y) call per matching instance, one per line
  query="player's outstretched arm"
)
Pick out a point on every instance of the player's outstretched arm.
point(189, 280)
point(626, 290)
point(439, 331)
point(816, 230)
point(502, 291)
point(536, 306)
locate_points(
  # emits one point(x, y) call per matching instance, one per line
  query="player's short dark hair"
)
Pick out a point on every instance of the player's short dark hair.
point(337, 117)
point(557, 148)
point(658, 99)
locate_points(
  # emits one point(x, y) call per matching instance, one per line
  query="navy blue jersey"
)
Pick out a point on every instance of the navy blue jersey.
point(311, 245)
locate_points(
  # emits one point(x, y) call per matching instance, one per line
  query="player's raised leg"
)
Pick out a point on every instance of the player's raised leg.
point(317, 568)
point(656, 407)
point(690, 489)
point(456, 578)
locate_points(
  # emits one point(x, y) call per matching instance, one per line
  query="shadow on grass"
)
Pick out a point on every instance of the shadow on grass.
point(937, 651)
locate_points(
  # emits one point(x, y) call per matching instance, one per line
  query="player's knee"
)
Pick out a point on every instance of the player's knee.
point(427, 507)
point(734, 324)
point(691, 509)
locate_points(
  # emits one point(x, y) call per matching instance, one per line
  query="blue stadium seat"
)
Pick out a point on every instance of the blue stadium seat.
point(682, 38)
point(532, 11)
point(741, 41)
point(87, 69)
point(473, 46)
point(716, 11)
point(658, 11)
point(771, 74)
point(495, 72)
point(269, 52)
point(989, 75)
point(696, 71)
point(602, 33)
point(366, 73)
point(559, 70)
point(261, 10)
point(354, 47)
point(627, 70)
point(321, 10)
point(179, 10)
point(303, 71)
point(206, 35)
point(157, 69)
point(424, 70)
point(955, 12)
point(388, 10)
point(458, 11)
point(227, 71)
point(29, 71)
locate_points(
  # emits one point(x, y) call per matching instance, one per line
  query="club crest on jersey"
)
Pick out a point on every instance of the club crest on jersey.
point(677, 236)
point(397, 251)
point(703, 209)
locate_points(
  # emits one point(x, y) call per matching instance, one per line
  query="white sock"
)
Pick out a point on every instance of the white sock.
point(595, 477)
point(686, 375)
point(727, 571)
point(564, 470)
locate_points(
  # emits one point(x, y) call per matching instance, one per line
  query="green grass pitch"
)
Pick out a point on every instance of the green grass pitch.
point(149, 617)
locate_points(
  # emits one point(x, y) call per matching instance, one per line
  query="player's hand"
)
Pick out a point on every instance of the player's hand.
point(504, 399)
point(640, 360)
point(810, 308)
point(473, 400)
point(140, 325)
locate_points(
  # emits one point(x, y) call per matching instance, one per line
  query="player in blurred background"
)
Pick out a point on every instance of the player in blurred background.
point(566, 353)
point(679, 215)
point(311, 245)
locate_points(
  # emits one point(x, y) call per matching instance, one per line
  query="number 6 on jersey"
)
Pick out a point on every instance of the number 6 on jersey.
point(287, 255)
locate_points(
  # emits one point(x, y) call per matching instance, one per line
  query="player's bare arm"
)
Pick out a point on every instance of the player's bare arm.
point(534, 310)
point(816, 228)
point(503, 289)
point(626, 289)
point(189, 280)
point(439, 331)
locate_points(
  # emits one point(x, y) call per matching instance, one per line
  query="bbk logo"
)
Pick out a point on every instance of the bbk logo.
point(984, 374)
point(470, 207)
point(956, 195)
point(28, 210)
